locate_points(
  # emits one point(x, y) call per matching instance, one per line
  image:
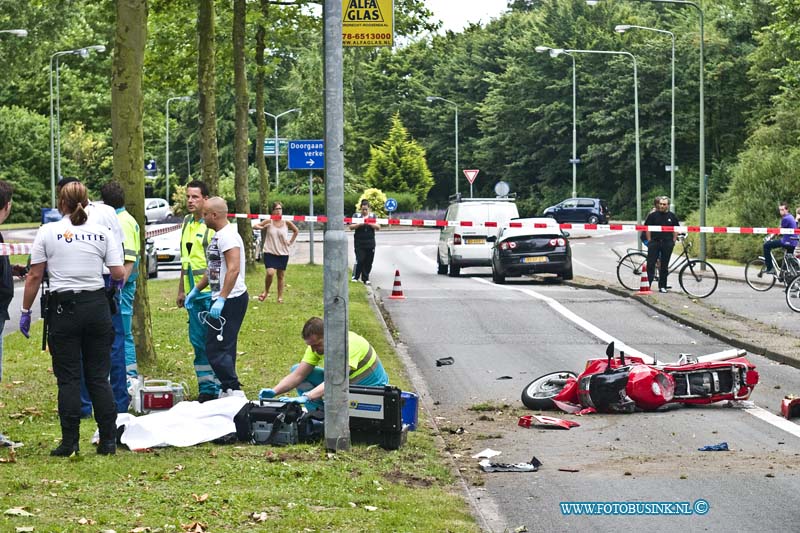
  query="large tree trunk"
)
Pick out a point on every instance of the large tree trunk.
point(242, 105)
point(206, 91)
point(128, 142)
point(261, 123)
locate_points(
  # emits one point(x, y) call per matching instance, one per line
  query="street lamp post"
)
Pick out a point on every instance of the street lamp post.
point(555, 52)
point(277, 146)
point(433, 99)
point(83, 52)
point(702, 163)
point(622, 28)
point(166, 162)
point(574, 161)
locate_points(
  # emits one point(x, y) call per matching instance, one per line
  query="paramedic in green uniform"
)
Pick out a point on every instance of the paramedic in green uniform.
point(308, 376)
point(195, 236)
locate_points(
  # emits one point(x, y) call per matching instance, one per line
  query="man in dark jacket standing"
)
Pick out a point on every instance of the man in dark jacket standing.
point(364, 243)
point(660, 243)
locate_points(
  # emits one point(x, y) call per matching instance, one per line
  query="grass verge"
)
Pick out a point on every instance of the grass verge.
point(221, 488)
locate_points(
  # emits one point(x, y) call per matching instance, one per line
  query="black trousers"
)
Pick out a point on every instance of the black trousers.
point(364, 258)
point(659, 250)
point(80, 336)
point(222, 353)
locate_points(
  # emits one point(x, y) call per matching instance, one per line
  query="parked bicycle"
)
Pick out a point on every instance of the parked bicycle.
point(787, 268)
point(697, 278)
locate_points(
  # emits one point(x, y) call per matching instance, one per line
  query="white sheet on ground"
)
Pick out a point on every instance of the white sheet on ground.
point(186, 424)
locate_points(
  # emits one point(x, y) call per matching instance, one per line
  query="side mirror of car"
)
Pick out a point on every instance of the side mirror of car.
point(491, 238)
point(565, 233)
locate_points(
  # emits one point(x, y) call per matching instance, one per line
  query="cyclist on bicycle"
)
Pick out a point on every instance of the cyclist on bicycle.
point(788, 242)
point(660, 243)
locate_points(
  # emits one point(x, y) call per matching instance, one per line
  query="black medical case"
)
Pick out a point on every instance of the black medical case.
point(375, 416)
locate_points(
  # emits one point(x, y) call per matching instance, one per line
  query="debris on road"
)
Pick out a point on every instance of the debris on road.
point(573, 470)
point(721, 447)
point(532, 466)
point(444, 361)
point(505, 377)
point(545, 421)
point(790, 407)
point(488, 453)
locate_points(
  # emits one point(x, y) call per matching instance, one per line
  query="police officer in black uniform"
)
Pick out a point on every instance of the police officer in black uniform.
point(660, 243)
point(78, 315)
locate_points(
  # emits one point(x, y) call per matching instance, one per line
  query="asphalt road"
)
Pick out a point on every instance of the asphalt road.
point(503, 337)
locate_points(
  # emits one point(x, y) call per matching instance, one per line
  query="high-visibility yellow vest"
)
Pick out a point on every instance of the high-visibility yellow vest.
point(195, 232)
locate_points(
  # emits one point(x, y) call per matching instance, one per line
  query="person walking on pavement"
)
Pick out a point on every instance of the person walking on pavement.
point(7, 273)
point(308, 376)
point(124, 368)
point(788, 242)
point(225, 275)
point(195, 238)
point(364, 243)
point(660, 243)
point(277, 244)
point(78, 314)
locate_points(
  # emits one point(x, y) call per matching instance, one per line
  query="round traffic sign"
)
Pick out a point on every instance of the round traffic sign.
point(390, 204)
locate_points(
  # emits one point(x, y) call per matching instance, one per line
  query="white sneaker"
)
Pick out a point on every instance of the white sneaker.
point(232, 392)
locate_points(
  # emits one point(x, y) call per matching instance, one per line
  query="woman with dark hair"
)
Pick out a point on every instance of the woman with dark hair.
point(277, 244)
point(78, 316)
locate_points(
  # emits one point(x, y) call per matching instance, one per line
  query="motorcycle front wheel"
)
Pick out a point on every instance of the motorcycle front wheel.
point(539, 393)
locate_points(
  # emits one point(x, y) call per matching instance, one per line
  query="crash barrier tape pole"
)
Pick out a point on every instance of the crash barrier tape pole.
point(516, 224)
point(26, 247)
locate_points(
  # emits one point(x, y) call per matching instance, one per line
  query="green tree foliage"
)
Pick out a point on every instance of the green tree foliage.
point(398, 164)
point(376, 199)
point(25, 160)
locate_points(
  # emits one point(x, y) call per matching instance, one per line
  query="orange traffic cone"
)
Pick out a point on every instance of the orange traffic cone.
point(644, 285)
point(397, 289)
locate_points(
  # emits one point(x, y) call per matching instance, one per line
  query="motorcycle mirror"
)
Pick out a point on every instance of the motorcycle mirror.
point(622, 357)
point(610, 349)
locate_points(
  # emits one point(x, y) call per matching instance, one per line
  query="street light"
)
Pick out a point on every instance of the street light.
point(56, 127)
point(555, 52)
point(180, 99)
point(433, 99)
point(702, 162)
point(277, 146)
point(541, 50)
point(18, 33)
point(622, 28)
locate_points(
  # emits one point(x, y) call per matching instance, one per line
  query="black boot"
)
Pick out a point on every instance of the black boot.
point(70, 436)
point(108, 439)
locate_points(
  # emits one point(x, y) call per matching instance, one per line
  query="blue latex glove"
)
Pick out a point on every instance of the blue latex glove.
point(216, 309)
point(25, 324)
point(294, 399)
point(117, 284)
point(266, 394)
point(187, 303)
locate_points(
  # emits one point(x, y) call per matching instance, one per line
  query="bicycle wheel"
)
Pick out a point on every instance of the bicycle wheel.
point(630, 268)
point(793, 295)
point(755, 277)
point(698, 278)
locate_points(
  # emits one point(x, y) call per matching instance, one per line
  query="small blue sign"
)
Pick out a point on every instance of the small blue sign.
point(50, 214)
point(306, 155)
point(390, 204)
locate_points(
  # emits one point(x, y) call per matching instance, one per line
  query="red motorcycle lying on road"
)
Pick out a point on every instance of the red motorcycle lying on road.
point(625, 384)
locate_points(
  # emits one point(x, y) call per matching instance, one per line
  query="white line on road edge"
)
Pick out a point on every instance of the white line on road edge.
point(584, 265)
point(758, 412)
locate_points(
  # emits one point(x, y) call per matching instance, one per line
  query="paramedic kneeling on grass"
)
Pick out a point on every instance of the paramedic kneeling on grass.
point(308, 376)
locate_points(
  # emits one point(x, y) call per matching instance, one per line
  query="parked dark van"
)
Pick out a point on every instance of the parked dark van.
point(590, 210)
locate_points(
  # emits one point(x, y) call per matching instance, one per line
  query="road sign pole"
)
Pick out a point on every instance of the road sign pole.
point(470, 190)
point(311, 212)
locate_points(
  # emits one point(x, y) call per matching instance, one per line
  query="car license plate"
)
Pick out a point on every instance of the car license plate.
point(164, 257)
point(537, 259)
point(476, 241)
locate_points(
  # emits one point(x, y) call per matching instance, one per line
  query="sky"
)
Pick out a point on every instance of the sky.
point(456, 14)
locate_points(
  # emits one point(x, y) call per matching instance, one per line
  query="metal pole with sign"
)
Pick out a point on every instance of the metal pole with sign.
point(311, 212)
point(471, 175)
point(307, 155)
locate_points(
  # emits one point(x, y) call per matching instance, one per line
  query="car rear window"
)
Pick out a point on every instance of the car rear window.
point(585, 203)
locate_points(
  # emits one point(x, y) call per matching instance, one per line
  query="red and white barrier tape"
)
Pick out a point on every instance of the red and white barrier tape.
point(514, 224)
point(26, 247)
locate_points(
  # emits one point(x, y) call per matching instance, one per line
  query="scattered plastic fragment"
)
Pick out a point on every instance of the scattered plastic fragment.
point(505, 377)
point(532, 466)
point(545, 421)
point(488, 453)
point(444, 361)
point(721, 447)
point(741, 404)
point(568, 470)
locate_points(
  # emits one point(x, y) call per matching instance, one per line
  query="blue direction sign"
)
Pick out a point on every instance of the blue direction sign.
point(390, 204)
point(307, 155)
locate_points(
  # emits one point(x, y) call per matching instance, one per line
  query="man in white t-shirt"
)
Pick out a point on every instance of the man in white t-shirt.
point(225, 275)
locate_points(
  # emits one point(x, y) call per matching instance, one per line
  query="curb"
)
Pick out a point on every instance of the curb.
point(773, 355)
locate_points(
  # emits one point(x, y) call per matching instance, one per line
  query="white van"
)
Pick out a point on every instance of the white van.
point(466, 246)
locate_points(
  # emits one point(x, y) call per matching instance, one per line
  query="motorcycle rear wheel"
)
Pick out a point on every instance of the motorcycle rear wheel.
point(538, 394)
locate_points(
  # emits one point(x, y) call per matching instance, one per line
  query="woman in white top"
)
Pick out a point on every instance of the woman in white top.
point(78, 315)
point(276, 249)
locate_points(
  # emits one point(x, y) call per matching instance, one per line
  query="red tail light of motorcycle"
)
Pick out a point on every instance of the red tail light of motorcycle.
point(751, 378)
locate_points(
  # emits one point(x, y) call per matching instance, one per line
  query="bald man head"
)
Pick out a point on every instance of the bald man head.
point(215, 213)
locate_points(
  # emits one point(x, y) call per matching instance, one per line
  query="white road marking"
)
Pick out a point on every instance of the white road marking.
point(758, 412)
point(584, 265)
